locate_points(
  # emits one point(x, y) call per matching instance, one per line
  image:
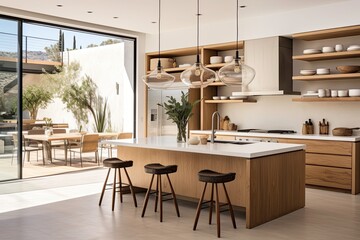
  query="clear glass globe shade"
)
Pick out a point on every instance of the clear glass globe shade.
point(236, 74)
point(197, 76)
point(158, 79)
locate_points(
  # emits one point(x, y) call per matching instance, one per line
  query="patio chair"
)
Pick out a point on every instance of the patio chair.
point(109, 147)
point(29, 146)
point(15, 148)
point(61, 144)
point(88, 144)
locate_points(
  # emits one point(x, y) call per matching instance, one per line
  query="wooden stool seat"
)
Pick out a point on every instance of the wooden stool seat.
point(158, 170)
point(215, 177)
point(209, 176)
point(117, 164)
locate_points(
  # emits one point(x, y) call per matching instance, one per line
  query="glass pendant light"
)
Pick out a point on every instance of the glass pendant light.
point(237, 73)
point(197, 75)
point(158, 78)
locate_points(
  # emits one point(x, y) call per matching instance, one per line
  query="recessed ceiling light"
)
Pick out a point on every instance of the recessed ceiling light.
point(115, 17)
point(89, 11)
point(153, 22)
point(242, 6)
point(59, 5)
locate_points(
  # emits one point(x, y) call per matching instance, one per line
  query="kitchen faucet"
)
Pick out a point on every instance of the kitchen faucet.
point(216, 113)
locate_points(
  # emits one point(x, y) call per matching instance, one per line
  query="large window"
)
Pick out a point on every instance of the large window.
point(55, 61)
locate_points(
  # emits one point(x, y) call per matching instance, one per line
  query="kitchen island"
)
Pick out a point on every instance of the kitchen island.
point(270, 177)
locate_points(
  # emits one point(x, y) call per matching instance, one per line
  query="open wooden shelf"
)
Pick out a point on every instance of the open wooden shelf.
point(217, 84)
point(215, 66)
point(232, 101)
point(172, 70)
point(328, 99)
point(326, 77)
point(328, 33)
point(328, 56)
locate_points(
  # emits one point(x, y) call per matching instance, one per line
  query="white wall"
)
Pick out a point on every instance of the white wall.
point(279, 112)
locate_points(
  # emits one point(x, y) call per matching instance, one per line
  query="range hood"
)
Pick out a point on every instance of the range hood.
point(272, 60)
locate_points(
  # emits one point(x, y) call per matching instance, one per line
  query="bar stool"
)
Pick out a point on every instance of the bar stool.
point(117, 164)
point(158, 170)
point(214, 178)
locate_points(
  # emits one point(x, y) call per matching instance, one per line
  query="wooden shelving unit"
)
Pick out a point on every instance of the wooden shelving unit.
point(327, 77)
point(232, 101)
point(328, 99)
point(328, 56)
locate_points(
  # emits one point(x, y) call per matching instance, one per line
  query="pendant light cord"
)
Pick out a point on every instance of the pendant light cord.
point(159, 63)
point(237, 29)
point(197, 34)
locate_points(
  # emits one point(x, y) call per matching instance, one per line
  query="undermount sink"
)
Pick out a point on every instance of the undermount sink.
point(232, 142)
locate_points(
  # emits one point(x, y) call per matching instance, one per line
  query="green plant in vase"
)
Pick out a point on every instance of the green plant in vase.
point(179, 113)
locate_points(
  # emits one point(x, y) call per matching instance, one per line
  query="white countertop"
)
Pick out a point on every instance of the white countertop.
point(253, 150)
point(277, 135)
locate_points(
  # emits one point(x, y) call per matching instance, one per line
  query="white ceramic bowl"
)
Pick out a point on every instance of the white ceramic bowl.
point(354, 92)
point(342, 93)
point(307, 72)
point(216, 97)
point(224, 97)
point(311, 92)
point(216, 59)
point(228, 59)
point(328, 49)
point(322, 71)
point(194, 141)
point(353, 48)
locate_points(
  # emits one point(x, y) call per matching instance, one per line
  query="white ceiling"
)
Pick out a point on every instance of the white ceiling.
point(137, 15)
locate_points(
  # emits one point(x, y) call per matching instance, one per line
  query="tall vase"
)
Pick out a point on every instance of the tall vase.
point(181, 134)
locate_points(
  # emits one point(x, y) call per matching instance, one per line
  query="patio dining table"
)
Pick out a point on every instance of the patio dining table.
point(47, 139)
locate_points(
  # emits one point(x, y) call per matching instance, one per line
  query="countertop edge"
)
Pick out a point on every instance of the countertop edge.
point(274, 135)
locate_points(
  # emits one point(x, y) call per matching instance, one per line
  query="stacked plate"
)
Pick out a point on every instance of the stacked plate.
point(307, 72)
point(311, 51)
point(354, 48)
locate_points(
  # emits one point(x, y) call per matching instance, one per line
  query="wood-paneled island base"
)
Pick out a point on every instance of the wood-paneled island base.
point(270, 181)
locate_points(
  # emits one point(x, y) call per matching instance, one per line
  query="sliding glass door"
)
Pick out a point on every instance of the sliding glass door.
point(9, 100)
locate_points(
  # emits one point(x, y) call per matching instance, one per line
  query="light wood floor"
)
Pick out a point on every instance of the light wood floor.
point(327, 215)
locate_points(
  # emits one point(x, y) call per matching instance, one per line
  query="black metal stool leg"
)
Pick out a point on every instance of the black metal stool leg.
point(114, 191)
point(174, 196)
point(230, 207)
point(104, 187)
point(131, 187)
point(199, 207)
point(147, 196)
point(211, 203)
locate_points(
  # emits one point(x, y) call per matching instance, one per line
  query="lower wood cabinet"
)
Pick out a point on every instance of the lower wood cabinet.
point(334, 164)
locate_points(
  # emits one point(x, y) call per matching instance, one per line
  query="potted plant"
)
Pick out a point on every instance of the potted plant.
point(179, 113)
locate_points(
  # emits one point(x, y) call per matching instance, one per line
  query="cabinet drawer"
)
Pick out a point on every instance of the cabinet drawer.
point(328, 177)
point(328, 160)
point(327, 147)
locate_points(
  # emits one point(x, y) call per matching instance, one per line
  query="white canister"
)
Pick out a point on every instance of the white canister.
point(321, 93)
point(334, 93)
point(228, 59)
point(339, 47)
